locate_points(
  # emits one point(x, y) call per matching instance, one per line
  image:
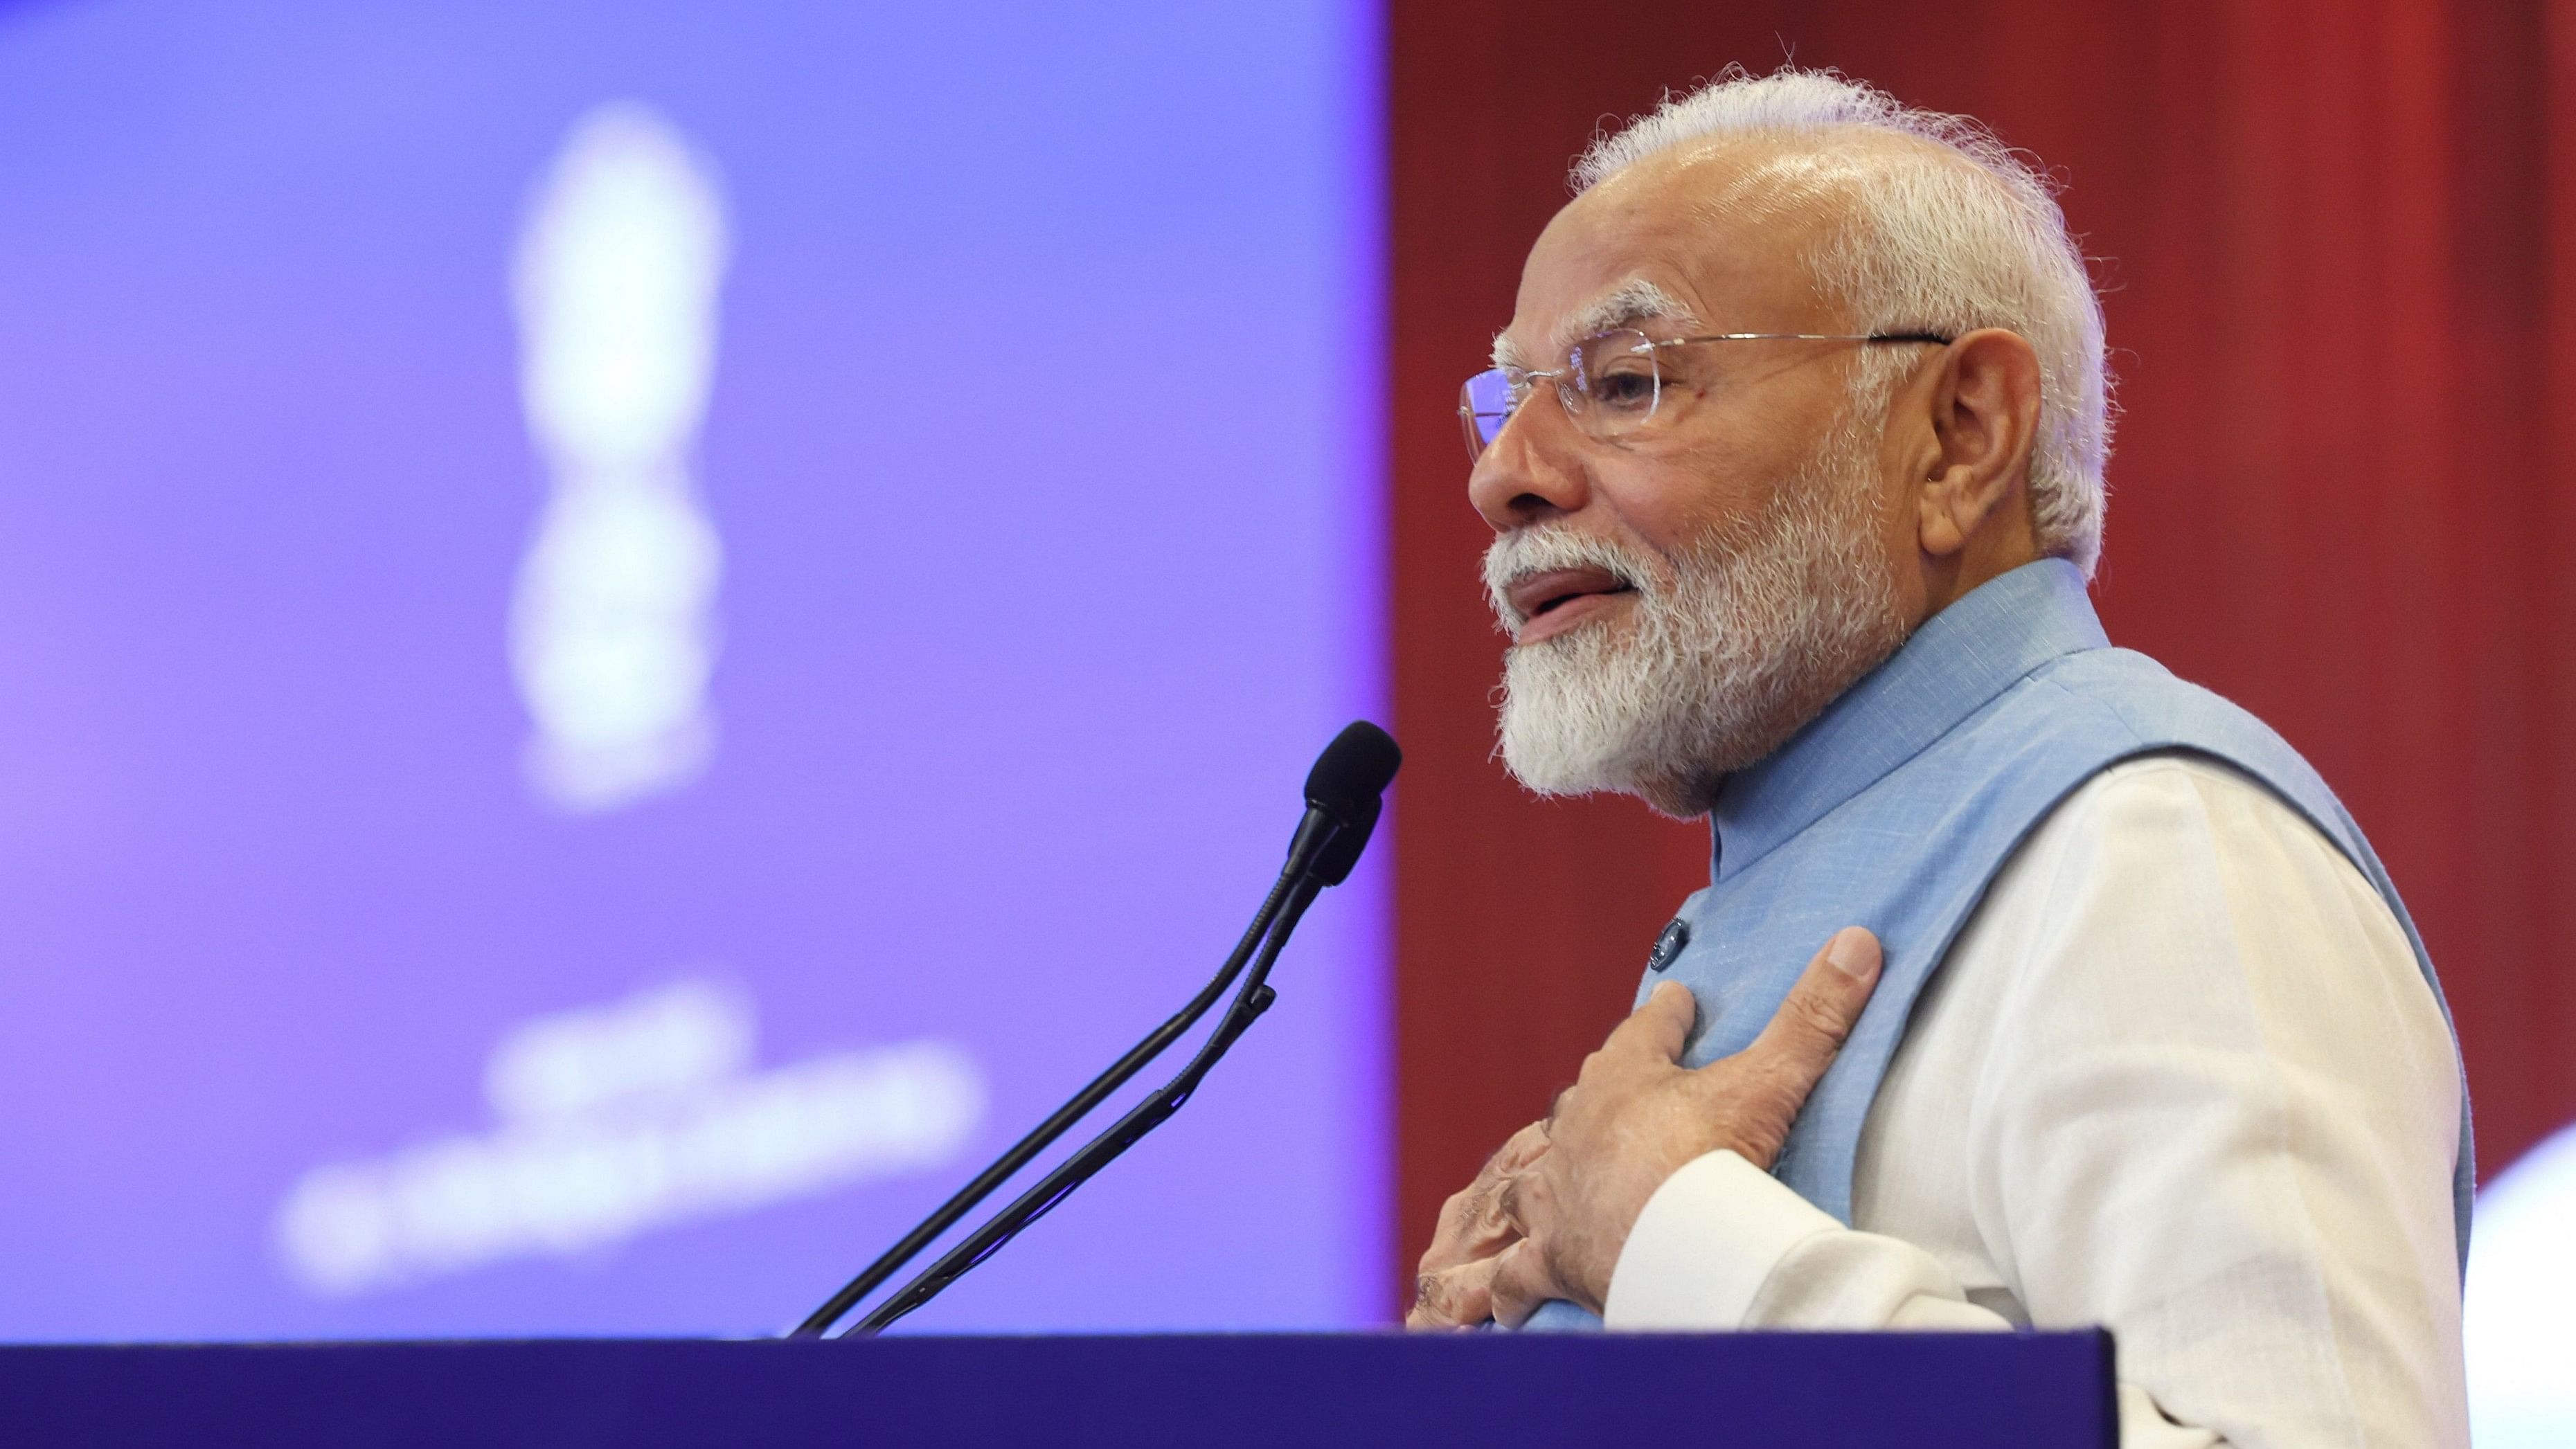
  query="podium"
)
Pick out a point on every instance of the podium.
point(1349, 1391)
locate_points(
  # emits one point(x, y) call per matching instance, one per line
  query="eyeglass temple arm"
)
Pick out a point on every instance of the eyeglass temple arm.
point(1934, 337)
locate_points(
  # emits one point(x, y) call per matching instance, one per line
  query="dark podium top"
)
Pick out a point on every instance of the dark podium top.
point(1775, 1391)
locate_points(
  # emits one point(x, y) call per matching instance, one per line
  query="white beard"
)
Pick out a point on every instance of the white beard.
point(1728, 650)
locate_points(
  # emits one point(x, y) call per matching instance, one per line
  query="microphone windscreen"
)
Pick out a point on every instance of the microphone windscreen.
point(1353, 771)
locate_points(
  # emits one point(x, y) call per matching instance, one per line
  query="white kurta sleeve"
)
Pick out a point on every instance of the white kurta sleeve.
point(2210, 1102)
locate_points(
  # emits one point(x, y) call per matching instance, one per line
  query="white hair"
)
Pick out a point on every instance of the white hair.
point(1955, 234)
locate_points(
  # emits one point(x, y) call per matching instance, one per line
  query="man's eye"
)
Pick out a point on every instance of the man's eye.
point(1625, 387)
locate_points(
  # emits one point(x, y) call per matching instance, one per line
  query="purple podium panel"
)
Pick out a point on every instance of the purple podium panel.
point(1779, 1391)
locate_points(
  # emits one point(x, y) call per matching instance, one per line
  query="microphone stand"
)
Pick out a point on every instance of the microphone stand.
point(1247, 1007)
point(1007, 1165)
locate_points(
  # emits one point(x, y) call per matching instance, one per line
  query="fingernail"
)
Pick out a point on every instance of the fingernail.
point(1852, 953)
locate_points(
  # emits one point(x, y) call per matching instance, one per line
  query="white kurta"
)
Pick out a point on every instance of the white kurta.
point(2181, 1076)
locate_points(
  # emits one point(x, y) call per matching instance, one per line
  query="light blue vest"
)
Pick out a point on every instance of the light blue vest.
point(1895, 807)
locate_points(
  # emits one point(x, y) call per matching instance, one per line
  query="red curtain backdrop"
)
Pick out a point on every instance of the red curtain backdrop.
point(2338, 244)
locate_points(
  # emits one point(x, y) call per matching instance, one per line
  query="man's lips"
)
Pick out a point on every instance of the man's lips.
point(1555, 601)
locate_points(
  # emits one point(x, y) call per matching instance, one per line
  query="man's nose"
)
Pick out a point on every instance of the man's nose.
point(1532, 471)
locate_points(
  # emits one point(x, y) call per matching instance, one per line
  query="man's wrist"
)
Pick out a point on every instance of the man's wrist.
point(1707, 1241)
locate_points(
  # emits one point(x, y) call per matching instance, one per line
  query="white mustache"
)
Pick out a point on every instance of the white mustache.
point(1525, 552)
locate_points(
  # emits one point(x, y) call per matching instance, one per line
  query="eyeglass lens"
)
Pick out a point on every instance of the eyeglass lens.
point(1609, 384)
point(1484, 405)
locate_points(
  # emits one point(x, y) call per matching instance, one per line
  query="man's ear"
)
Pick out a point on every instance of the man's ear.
point(1985, 416)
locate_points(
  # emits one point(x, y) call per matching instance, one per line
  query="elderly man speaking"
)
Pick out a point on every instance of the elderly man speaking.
point(1793, 453)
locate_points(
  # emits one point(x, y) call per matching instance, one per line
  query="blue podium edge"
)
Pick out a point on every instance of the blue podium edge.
point(1782, 1390)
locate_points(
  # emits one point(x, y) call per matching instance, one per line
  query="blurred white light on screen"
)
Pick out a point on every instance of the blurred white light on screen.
point(612, 632)
point(2522, 1276)
point(660, 1044)
point(620, 1119)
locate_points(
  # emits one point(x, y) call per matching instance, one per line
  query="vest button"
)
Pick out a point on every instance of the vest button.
point(1668, 946)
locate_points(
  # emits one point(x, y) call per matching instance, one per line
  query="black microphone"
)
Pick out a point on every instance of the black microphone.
point(1333, 863)
point(1343, 799)
point(1344, 792)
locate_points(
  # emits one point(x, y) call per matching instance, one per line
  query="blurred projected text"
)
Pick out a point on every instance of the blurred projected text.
point(619, 1119)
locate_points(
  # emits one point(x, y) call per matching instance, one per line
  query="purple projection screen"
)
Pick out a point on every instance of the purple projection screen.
point(631, 634)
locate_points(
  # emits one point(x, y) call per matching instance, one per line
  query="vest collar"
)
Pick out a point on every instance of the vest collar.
point(1958, 661)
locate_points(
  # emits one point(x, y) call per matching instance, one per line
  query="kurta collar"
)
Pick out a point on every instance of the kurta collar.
point(1959, 660)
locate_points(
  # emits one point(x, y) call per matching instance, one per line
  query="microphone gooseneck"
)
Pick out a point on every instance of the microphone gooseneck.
point(1344, 796)
point(1099, 1152)
point(1057, 1123)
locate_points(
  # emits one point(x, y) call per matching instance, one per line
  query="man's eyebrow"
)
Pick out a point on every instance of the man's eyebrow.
point(1625, 305)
